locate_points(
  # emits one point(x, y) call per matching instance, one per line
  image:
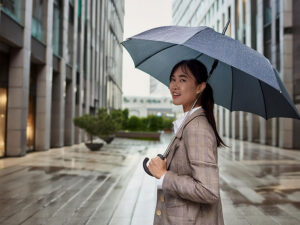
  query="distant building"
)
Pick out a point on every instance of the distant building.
point(158, 89)
point(144, 106)
point(58, 59)
point(272, 27)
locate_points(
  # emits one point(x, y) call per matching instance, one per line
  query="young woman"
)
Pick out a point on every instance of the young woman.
point(188, 179)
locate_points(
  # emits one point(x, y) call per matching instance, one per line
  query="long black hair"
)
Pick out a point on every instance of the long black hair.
point(199, 71)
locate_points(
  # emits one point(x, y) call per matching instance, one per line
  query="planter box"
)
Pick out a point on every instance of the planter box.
point(94, 146)
point(138, 135)
point(109, 139)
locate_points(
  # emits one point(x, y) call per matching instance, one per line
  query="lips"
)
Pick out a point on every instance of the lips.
point(175, 95)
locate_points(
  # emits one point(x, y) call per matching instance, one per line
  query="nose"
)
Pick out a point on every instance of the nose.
point(174, 85)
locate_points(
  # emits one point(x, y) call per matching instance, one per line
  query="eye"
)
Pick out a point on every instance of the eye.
point(182, 80)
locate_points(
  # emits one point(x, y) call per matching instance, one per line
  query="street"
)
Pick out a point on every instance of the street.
point(72, 185)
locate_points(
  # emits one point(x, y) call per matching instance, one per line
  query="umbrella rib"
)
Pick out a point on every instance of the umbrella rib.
point(198, 56)
point(263, 98)
point(168, 47)
point(154, 54)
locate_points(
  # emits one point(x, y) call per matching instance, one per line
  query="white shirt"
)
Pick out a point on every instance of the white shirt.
point(176, 124)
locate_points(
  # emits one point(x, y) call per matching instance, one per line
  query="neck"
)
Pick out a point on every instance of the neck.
point(187, 108)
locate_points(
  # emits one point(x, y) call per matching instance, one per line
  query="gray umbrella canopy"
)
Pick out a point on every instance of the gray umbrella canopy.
point(244, 79)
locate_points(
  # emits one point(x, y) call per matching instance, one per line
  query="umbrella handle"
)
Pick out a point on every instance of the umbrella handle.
point(146, 161)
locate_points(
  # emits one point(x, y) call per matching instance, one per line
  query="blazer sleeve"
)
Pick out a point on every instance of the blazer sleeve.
point(203, 184)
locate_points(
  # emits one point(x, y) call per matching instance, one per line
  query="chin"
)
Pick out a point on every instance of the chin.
point(176, 102)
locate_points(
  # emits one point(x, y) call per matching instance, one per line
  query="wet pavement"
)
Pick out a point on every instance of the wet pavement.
point(259, 185)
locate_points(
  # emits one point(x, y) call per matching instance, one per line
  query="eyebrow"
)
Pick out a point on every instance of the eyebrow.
point(181, 75)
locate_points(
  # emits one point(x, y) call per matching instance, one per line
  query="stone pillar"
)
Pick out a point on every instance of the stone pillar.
point(230, 122)
point(44, 85)
point(105, 44)
point(286, 49)
point(227, 123)
point(273, 122)
point(102, 54)
point(70, 101)
point(216, 115)
point(88, 58)
point(221, 121)
point(98, 52)
point(18, 90)
point(93, 52)
point(260, 48)
point(296, 71)
point(78, 131)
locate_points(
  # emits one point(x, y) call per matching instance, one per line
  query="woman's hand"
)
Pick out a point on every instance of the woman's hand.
point(158, 167)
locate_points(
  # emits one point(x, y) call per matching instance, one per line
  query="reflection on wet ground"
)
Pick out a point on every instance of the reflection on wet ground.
point(70, 185)
point(259, 185)
point(259, 180)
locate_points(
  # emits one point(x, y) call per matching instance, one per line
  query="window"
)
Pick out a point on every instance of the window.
point(244, 22)
point(253, 24)
point(37, 19)
point(267, 28)
point(70, 34)
point(278, 35)
point(13, 8)
point(56, 38)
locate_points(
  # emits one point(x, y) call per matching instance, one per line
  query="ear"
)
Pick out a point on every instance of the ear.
point(201, 87)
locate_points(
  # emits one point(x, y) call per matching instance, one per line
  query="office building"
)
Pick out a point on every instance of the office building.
point(58, 59)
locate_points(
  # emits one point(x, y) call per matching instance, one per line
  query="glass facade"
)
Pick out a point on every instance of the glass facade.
point(57, 18)
point(267, 29)
point(30, 124)
point(70, 32)
point(37, 19)
point(13, 8)
point(278, 35)
point(3, 104)
point(4, 62)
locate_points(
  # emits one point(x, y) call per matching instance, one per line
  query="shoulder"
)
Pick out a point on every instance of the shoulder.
point(200, 123)
point(200, 127)
point(199, 136)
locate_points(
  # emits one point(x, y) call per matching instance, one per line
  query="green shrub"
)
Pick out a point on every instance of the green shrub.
point(135, 123)
point(88, 123)
point(155, 123)
point(102, 125)
point(125, 113)
point(118, 118)
point(150, 123)
point(168, 123)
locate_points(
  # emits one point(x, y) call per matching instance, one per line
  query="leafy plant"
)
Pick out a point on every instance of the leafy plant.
point(150, 123)
point(102, 125)
point(168, 123)
point(88, 123)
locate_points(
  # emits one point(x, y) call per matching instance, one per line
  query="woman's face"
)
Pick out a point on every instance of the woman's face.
point(183, 88)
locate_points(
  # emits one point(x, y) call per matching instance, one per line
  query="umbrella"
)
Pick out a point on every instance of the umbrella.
point(242, 79)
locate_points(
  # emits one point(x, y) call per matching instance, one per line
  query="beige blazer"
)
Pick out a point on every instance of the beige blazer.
point(190, 192)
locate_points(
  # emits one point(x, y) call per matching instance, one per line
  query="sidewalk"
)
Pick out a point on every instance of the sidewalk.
point(138, 202)
point(259, 185)
point(71, 185)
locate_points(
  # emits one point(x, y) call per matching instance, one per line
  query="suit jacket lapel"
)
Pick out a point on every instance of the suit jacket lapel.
point(175, 144)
